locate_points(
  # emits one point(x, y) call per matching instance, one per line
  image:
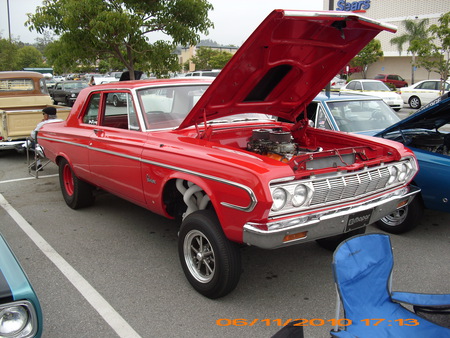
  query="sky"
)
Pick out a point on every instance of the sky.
point(234, 20)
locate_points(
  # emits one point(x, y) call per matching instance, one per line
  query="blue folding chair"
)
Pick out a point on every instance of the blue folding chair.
point(362, 268)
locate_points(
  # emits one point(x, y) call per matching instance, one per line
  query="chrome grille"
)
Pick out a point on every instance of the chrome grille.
point(332, 189)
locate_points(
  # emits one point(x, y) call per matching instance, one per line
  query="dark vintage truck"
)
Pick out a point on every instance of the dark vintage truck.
point(23, 95)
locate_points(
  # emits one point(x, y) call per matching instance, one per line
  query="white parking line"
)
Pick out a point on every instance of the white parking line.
point(109, 314)
point(27, 178)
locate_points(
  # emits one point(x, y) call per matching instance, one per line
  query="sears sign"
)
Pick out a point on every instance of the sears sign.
point(355, 6)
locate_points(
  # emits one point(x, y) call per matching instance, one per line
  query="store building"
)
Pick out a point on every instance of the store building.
point(394, 12)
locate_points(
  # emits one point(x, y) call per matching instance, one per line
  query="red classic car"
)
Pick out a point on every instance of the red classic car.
point(222, 156)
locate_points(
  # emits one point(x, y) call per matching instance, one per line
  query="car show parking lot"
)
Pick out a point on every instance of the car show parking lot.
point(113, 269)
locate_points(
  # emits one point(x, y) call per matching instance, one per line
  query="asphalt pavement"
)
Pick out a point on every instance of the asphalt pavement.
point(112, 270)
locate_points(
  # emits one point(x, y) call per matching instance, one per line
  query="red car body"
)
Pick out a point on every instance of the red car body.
point(393, 79)
point(212, 153)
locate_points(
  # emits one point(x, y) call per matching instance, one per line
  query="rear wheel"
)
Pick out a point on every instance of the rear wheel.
point(403, 219)
point(76, 192)
point(116, 102)
point(211, 263)
point(331, 243)
point(414, 102)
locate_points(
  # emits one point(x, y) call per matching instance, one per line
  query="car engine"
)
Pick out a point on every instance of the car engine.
point(436, 143)
point(276, 143)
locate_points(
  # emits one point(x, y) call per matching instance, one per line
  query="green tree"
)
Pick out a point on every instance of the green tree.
point(440, 35)
point(8, 51)
point(371, 53)
point(208, 58)
point(416, 34)
point(28, 56)
point(220, 60)
point(202, 57)
point(93, 30)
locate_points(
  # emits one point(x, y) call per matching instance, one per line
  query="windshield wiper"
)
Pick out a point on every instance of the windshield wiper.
point(245, 119)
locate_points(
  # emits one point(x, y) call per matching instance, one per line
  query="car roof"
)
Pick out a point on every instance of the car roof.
point(338, 96)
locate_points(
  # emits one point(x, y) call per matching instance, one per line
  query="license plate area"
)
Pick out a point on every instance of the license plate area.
point(358, 220)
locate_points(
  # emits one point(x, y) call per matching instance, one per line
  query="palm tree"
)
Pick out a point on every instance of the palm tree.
point(415, 31)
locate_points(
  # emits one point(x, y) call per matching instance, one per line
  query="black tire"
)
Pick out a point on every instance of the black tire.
point(331, 243)
point(414, 102)
point(397, 109)
point(404, 219)
point(76, 193)
point(55, 102)
point(116, 102)
point(211, 263)
point(68, 102)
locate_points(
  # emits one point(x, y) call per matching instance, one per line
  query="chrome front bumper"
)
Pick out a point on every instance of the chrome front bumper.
point(326, 223)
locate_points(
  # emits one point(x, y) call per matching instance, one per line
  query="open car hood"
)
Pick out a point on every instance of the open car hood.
point(285, 63)
point(432, 116)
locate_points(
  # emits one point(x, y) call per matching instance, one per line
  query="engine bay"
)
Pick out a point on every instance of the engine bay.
point(433, 142)
point(314, 150)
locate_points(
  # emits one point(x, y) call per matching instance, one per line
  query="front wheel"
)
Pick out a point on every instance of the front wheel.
point(76, 192)
point(211, 263)
point(403, 219)
point(414, 102)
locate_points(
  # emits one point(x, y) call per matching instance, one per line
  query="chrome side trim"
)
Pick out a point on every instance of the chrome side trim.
point(251, 194)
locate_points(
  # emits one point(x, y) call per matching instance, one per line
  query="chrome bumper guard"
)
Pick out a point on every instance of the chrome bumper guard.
point(326, 223)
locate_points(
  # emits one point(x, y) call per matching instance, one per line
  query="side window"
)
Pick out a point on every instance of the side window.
point(322, 120)
point(120, 112)
point(351, 85)
point(358, 85)
point(91, 114)
point(430, 85)
point(392, 77)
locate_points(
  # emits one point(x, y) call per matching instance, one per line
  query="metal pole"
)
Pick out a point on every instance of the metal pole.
point(9, 21)
point(328, 86)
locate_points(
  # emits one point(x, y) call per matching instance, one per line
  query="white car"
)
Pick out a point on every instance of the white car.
point(337, 83)
point(422, 92)
point(375, 88)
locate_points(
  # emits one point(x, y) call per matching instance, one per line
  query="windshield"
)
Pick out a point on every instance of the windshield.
point(375, 85)
point(167, 107)
point(364, 115)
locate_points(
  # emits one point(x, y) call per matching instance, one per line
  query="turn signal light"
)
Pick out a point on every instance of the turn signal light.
point(292, 237)
point(401, 204)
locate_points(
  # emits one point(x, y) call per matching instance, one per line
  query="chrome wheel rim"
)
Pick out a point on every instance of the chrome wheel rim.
point(199, 256)
point(396, 218)
point(68, 180)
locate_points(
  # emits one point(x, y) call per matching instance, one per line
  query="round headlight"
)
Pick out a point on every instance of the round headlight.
point(300, 195)
point(393, 173)
point(279, 197)
point(12, 320)
point(403, 172)
point(73, 95)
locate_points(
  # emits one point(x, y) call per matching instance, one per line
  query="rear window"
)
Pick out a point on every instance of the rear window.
point(14, 85)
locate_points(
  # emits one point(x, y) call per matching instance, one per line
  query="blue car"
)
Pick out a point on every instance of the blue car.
point(420, 132)
point(20, 311)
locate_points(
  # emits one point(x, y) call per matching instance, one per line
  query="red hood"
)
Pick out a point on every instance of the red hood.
point(285, 63)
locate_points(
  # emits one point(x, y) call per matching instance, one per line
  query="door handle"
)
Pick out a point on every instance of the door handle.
point(99, 132)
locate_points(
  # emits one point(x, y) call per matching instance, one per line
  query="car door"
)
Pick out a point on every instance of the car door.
point(116, 147)
point(55, 91)
point(428, 91)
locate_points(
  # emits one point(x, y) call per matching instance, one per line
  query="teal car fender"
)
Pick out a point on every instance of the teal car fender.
point(20, 311)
